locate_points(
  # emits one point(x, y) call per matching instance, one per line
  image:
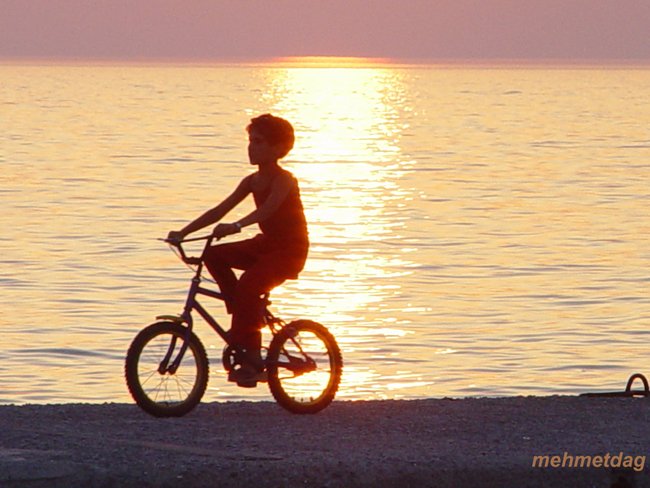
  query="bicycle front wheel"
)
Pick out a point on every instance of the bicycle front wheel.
point(154, 382)
point(304, 367)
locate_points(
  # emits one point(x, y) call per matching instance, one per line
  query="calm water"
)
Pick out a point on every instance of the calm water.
point(475, 231)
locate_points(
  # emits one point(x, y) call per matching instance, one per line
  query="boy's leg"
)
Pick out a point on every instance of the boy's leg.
point(222, 258)
point(248, 308)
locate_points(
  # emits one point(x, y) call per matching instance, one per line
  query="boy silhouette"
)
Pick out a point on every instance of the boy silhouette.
point(269, 258)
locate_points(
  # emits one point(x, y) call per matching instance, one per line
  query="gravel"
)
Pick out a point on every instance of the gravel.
point(435, 442)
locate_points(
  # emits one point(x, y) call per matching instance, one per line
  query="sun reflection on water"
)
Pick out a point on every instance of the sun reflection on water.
point(510, 258)
point(348, 159)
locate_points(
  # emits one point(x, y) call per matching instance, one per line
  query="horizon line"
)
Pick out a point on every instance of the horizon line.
point(329, 61)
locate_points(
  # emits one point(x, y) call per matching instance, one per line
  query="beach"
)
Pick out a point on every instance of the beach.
point(433, 442)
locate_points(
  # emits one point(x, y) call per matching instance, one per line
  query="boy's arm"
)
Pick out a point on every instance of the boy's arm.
point(282, 185)
point(217, 213)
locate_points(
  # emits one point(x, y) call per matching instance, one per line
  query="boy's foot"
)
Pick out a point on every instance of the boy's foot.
point(247, 376)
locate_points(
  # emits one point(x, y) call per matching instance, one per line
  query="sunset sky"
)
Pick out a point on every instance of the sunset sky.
point(572, 30)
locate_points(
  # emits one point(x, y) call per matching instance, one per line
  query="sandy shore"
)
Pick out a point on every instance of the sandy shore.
point(441, 443)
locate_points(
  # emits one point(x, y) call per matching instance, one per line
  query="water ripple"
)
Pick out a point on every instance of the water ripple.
point(457, 249)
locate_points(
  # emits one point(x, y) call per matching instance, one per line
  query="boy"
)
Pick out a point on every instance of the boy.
point(268, 259)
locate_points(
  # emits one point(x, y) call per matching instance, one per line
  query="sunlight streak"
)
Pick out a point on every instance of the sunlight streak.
point(348, 160)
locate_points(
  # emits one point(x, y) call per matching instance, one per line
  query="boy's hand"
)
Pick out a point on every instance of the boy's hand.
point(223, 230)
point(175, 236)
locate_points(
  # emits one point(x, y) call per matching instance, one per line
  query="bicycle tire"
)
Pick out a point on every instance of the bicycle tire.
point(314, 389)
point(149, 388)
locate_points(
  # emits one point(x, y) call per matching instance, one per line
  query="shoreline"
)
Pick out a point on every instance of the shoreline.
point(432, 442)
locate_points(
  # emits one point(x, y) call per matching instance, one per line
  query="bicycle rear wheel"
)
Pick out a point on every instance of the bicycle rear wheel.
point(152, 382)
point(304, 367)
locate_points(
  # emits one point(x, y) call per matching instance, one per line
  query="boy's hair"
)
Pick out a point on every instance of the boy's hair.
point(275, 130)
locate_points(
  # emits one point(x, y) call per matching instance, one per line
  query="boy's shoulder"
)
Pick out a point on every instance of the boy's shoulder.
point(282, 174)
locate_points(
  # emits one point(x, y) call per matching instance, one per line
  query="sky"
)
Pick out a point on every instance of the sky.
point(431, 30)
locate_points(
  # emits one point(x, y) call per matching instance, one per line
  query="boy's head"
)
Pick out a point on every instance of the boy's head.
point(277, 132)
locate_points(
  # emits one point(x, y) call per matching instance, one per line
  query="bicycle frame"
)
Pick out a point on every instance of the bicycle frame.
point(192, 304)
point(296, 349)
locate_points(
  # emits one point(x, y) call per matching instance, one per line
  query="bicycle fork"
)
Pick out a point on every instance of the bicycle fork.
point(186, 317)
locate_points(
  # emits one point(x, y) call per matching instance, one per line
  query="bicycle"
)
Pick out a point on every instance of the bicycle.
point(167, 368)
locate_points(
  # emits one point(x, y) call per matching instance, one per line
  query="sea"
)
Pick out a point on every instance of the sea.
point(475, 230)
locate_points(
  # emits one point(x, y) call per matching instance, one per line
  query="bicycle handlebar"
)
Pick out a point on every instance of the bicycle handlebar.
point(179, 245)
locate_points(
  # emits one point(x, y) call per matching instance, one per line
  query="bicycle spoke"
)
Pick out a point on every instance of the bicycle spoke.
point(153, 373)
point(305, 368)
point(166, 394)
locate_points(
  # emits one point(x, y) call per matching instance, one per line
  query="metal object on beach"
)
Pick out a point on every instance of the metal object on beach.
point(628, 389)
